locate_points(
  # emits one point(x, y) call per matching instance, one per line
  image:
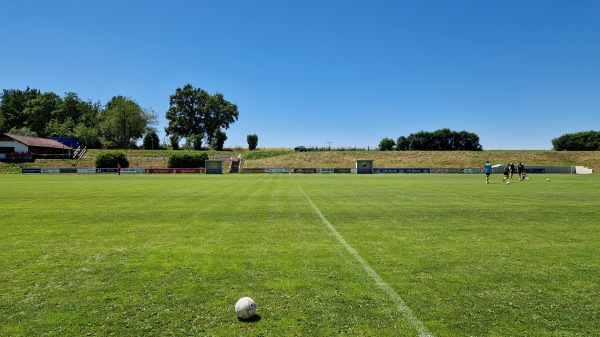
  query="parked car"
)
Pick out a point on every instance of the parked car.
point(300, 149)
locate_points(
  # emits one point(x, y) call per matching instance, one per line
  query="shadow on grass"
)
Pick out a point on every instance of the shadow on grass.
point(254, 318)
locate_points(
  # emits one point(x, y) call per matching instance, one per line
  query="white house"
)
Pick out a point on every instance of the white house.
point(25, 147)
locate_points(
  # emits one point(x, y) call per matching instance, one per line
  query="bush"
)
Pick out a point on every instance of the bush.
point(252, 141)
point(187, 160)
point(386, 144)
point(151, 141)
point(110, 159)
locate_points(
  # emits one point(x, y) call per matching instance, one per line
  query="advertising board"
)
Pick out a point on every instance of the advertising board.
point(279, 170)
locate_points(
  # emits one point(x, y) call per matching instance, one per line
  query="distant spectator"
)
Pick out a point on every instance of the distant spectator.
point(119, 168)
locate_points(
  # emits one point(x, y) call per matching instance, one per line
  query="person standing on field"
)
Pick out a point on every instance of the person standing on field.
point(506, 172)
point(119, 168)
point(488, 171)
point(520, 170)
point(512, 169)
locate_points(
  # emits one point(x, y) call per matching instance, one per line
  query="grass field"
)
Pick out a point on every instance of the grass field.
point(322, 255)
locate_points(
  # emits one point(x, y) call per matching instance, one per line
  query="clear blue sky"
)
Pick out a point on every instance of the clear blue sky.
point(517, 73)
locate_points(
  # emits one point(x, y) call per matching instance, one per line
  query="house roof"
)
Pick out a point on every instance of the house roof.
point(38, 142)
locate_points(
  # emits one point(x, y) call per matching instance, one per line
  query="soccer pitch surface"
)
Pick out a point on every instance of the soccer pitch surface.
point(322, 255)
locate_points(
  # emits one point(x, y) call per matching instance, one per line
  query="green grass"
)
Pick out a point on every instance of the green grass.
point(153, 255)
point(261, 154)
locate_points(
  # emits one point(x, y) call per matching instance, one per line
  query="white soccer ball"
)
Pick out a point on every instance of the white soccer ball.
point(245, 308)
point(508, 183)
point(548, 179)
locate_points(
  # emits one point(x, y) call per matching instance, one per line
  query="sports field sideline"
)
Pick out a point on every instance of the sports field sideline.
point(367, 255)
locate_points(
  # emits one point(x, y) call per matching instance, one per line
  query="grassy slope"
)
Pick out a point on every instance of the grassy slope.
point(347, 159)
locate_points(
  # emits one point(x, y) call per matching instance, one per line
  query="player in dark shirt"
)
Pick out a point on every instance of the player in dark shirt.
point(506, 172)
point(520, 170)
point(512, 169)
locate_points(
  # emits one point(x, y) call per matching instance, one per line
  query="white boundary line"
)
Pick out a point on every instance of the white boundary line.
point(414, 321)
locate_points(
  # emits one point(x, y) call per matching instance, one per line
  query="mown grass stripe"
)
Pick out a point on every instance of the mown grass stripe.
point(414, 320)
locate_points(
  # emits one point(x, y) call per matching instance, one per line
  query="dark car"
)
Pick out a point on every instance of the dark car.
point(300, 149)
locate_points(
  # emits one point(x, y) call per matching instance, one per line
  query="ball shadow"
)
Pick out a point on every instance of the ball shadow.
point(254, 318)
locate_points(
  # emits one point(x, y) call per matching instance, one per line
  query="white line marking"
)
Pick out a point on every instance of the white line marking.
point(415, 322)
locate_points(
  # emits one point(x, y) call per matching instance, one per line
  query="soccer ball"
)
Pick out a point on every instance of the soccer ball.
point(548, 179)
point(508, 183)
point(245, 308)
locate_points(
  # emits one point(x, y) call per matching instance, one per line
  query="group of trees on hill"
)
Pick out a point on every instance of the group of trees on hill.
point(117, 124)
point(194, 115)
point(440, 140)
point(581, 141)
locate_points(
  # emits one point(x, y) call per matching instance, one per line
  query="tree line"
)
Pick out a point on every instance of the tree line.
point(194, 116)
point(440, 140)
point(580, 141)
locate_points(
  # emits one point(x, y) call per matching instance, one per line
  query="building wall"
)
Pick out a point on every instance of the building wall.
point(19, 147)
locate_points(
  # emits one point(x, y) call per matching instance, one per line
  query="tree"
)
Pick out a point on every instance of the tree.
point(124, 121)
point(40, 110)
point(420, 141)
point(252, 141)
point(12, 105)
point(580, 141)
point(219, 115)
point(151, 141)
point(186, 112)
point(195, 141)
point(469, 141)
point(386, 144)
point(402, 144)
point(174, 140)
point(88, 127)
point(88, 136)
point(218, 140)
point(194, 112)
point(22, 132)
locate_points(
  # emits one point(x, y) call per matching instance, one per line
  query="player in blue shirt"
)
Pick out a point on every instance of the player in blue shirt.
point(488, 171)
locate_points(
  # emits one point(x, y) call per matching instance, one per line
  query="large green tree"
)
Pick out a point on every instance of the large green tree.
point(124, 121)
point(193, 113)
point(88, 126)
point(40, 110)
point(12, 106)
